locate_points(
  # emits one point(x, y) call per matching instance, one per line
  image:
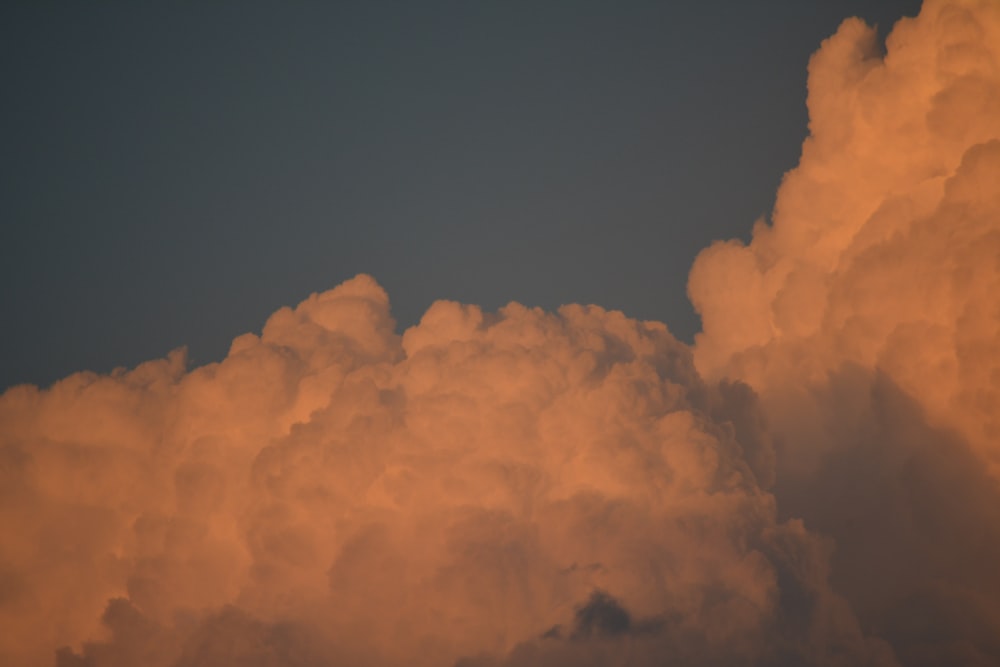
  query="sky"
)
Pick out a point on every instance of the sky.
point(172, 176)
point(401, 465)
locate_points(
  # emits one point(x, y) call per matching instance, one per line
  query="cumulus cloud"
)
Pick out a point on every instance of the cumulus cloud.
point(865, 315)
point(815, 482)
point(486, 487)
point(884, 244)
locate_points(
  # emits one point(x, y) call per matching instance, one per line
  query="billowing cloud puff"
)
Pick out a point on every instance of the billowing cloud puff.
point(866, 316)
point(885, 245)
point(520, 486)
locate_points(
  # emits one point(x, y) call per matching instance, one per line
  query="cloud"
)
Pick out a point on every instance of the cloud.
point(865, 318)
point(883, 249)
point(815, 482)
point(333, 491)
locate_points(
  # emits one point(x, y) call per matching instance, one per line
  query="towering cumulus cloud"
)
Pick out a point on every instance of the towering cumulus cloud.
point(867, 317)
point(816, 482)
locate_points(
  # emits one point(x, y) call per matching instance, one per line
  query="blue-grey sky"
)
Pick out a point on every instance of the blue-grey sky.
point(173, 174)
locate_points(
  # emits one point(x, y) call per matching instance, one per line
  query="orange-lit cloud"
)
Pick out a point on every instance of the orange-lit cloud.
point(885, 245)
point(815, 482)
point(867, 319)
point(334, 492)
